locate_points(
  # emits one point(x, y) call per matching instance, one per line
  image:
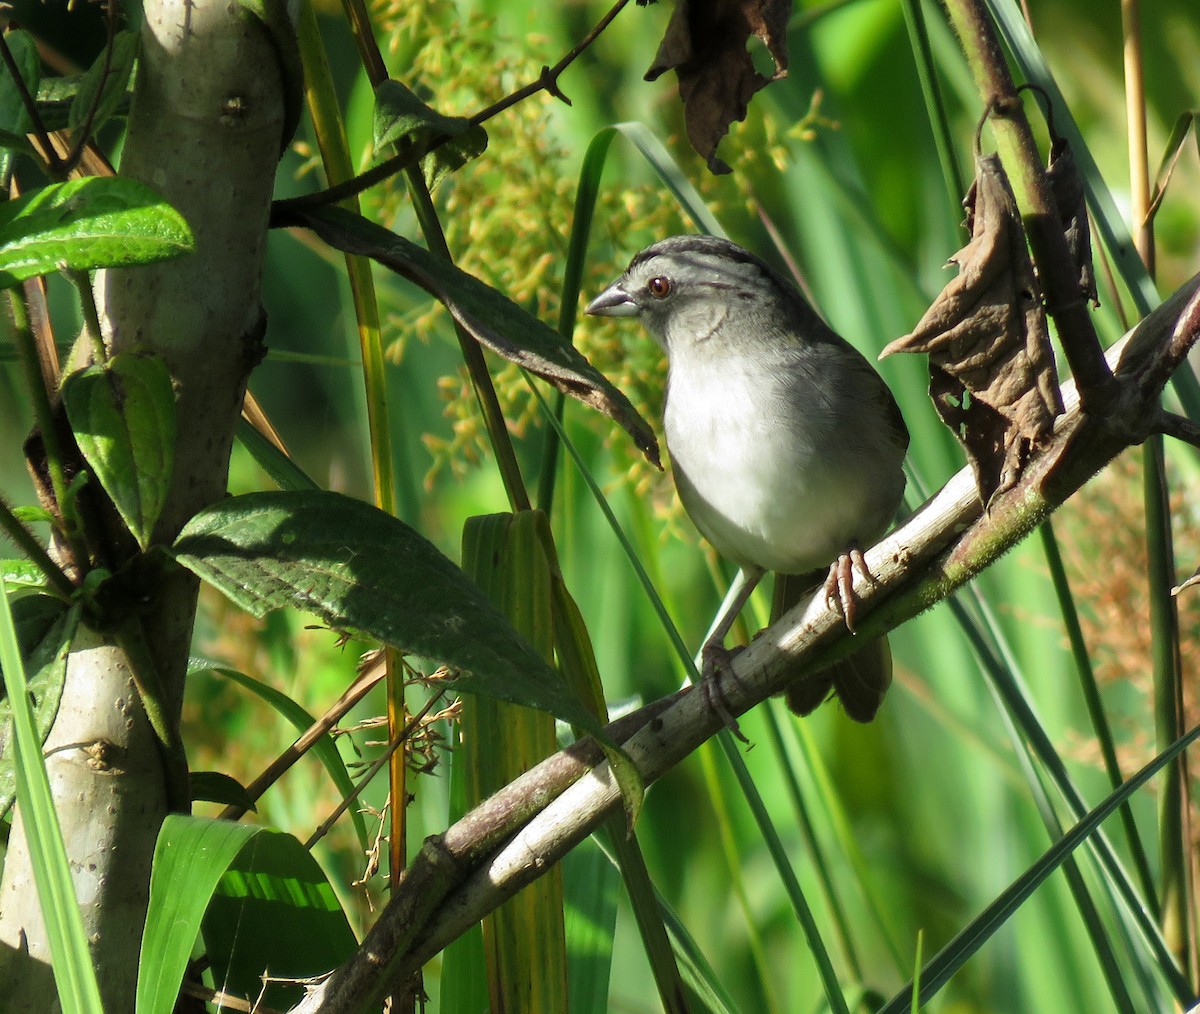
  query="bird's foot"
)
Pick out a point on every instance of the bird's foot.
point(717, 664)
point(839, 585)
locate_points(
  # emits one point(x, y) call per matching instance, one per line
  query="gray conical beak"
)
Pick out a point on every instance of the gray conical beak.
point(613, 302)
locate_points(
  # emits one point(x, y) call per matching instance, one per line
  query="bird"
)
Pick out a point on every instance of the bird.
point(786, 445)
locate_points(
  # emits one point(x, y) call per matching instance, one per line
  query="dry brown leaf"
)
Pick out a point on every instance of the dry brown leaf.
point(991, 370)
point(1067, 186)
point(705, 44)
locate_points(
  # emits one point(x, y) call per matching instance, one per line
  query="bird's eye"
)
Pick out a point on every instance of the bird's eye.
point(659, 287)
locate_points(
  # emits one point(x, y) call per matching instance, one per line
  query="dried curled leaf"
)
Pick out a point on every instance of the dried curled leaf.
point(705, 44)
point(991, 370)
point(1067, 186)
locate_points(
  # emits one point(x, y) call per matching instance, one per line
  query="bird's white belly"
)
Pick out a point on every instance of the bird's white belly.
point(787, 499)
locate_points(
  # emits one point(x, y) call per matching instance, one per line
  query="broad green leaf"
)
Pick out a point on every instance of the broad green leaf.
point(494, 320)
point(524, 942)
point(89, 223)
point(403, 120)
point(44, 628)
point(15, 122)
point(115, 83)
point(123, 415)
point(70, 958)
point(268, 907)
point(274, 911)
point(191, 855)
point(361, 569)
point(31, 515)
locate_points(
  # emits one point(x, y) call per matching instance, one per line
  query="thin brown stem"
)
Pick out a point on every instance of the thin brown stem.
point(85, 129)
point(54, 164)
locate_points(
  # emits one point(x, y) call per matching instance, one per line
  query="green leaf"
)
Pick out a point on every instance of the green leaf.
point(22, 574)
point(218, 787)
point(84, 224)
point(492, 318)
point(274, 911)
point(44, 627)
point(361, 569)
point(69, 957)
point(260, 889)
point(115, 83)
point(123, 415)
point(15, 121)
point(407, 123)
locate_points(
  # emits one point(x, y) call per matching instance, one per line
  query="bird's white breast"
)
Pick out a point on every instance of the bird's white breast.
point(783, 498)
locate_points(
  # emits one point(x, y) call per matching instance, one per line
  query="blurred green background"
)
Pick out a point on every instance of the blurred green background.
point(920, 818)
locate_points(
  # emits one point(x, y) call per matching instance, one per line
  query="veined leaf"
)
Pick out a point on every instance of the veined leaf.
point(123, 416)
point(403, 120)
point(89, 223)
point(243, 878)
point(359, 568)
point(492, 318)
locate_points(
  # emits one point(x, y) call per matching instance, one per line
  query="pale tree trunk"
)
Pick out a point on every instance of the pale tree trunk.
point(205, 131)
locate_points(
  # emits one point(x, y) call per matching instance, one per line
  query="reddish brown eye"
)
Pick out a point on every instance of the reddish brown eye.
point(659, 287)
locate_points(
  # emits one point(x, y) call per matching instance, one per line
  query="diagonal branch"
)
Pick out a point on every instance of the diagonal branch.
point(518, 834)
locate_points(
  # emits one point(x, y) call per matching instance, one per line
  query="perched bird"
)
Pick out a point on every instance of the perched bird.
point(785, 443)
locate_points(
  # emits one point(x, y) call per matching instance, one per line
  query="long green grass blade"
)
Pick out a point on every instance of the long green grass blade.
point(69, 954)
point(947, 961)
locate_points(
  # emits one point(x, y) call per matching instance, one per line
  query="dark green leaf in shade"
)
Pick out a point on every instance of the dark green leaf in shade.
point(15, 122)
point(268, 907)
point(361, 569)
point(115, 83)
point(123, 415)
point(89, 223)
point(218, 787)
point(403, 120)
point(494, 320)
point(45, 627)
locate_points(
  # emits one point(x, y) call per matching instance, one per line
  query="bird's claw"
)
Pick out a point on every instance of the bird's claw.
point(717, 661)
point(839, 585)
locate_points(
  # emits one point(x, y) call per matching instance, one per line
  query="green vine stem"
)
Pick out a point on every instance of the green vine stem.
point(32, 548)
point(26, 345)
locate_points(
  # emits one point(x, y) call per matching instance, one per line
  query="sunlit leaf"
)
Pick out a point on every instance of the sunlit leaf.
point(88, 223)
point(123, 415)
point(359, 568)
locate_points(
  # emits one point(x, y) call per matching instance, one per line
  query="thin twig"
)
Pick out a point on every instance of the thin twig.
point(85, 129)
point(54, 163)
point(547, 81)
point(397, 741)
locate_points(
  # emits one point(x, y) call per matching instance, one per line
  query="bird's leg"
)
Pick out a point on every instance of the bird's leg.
point(716, 658)
point(839, 585)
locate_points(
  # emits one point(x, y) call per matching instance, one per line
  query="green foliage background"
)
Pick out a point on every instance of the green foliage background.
point(924, 816)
